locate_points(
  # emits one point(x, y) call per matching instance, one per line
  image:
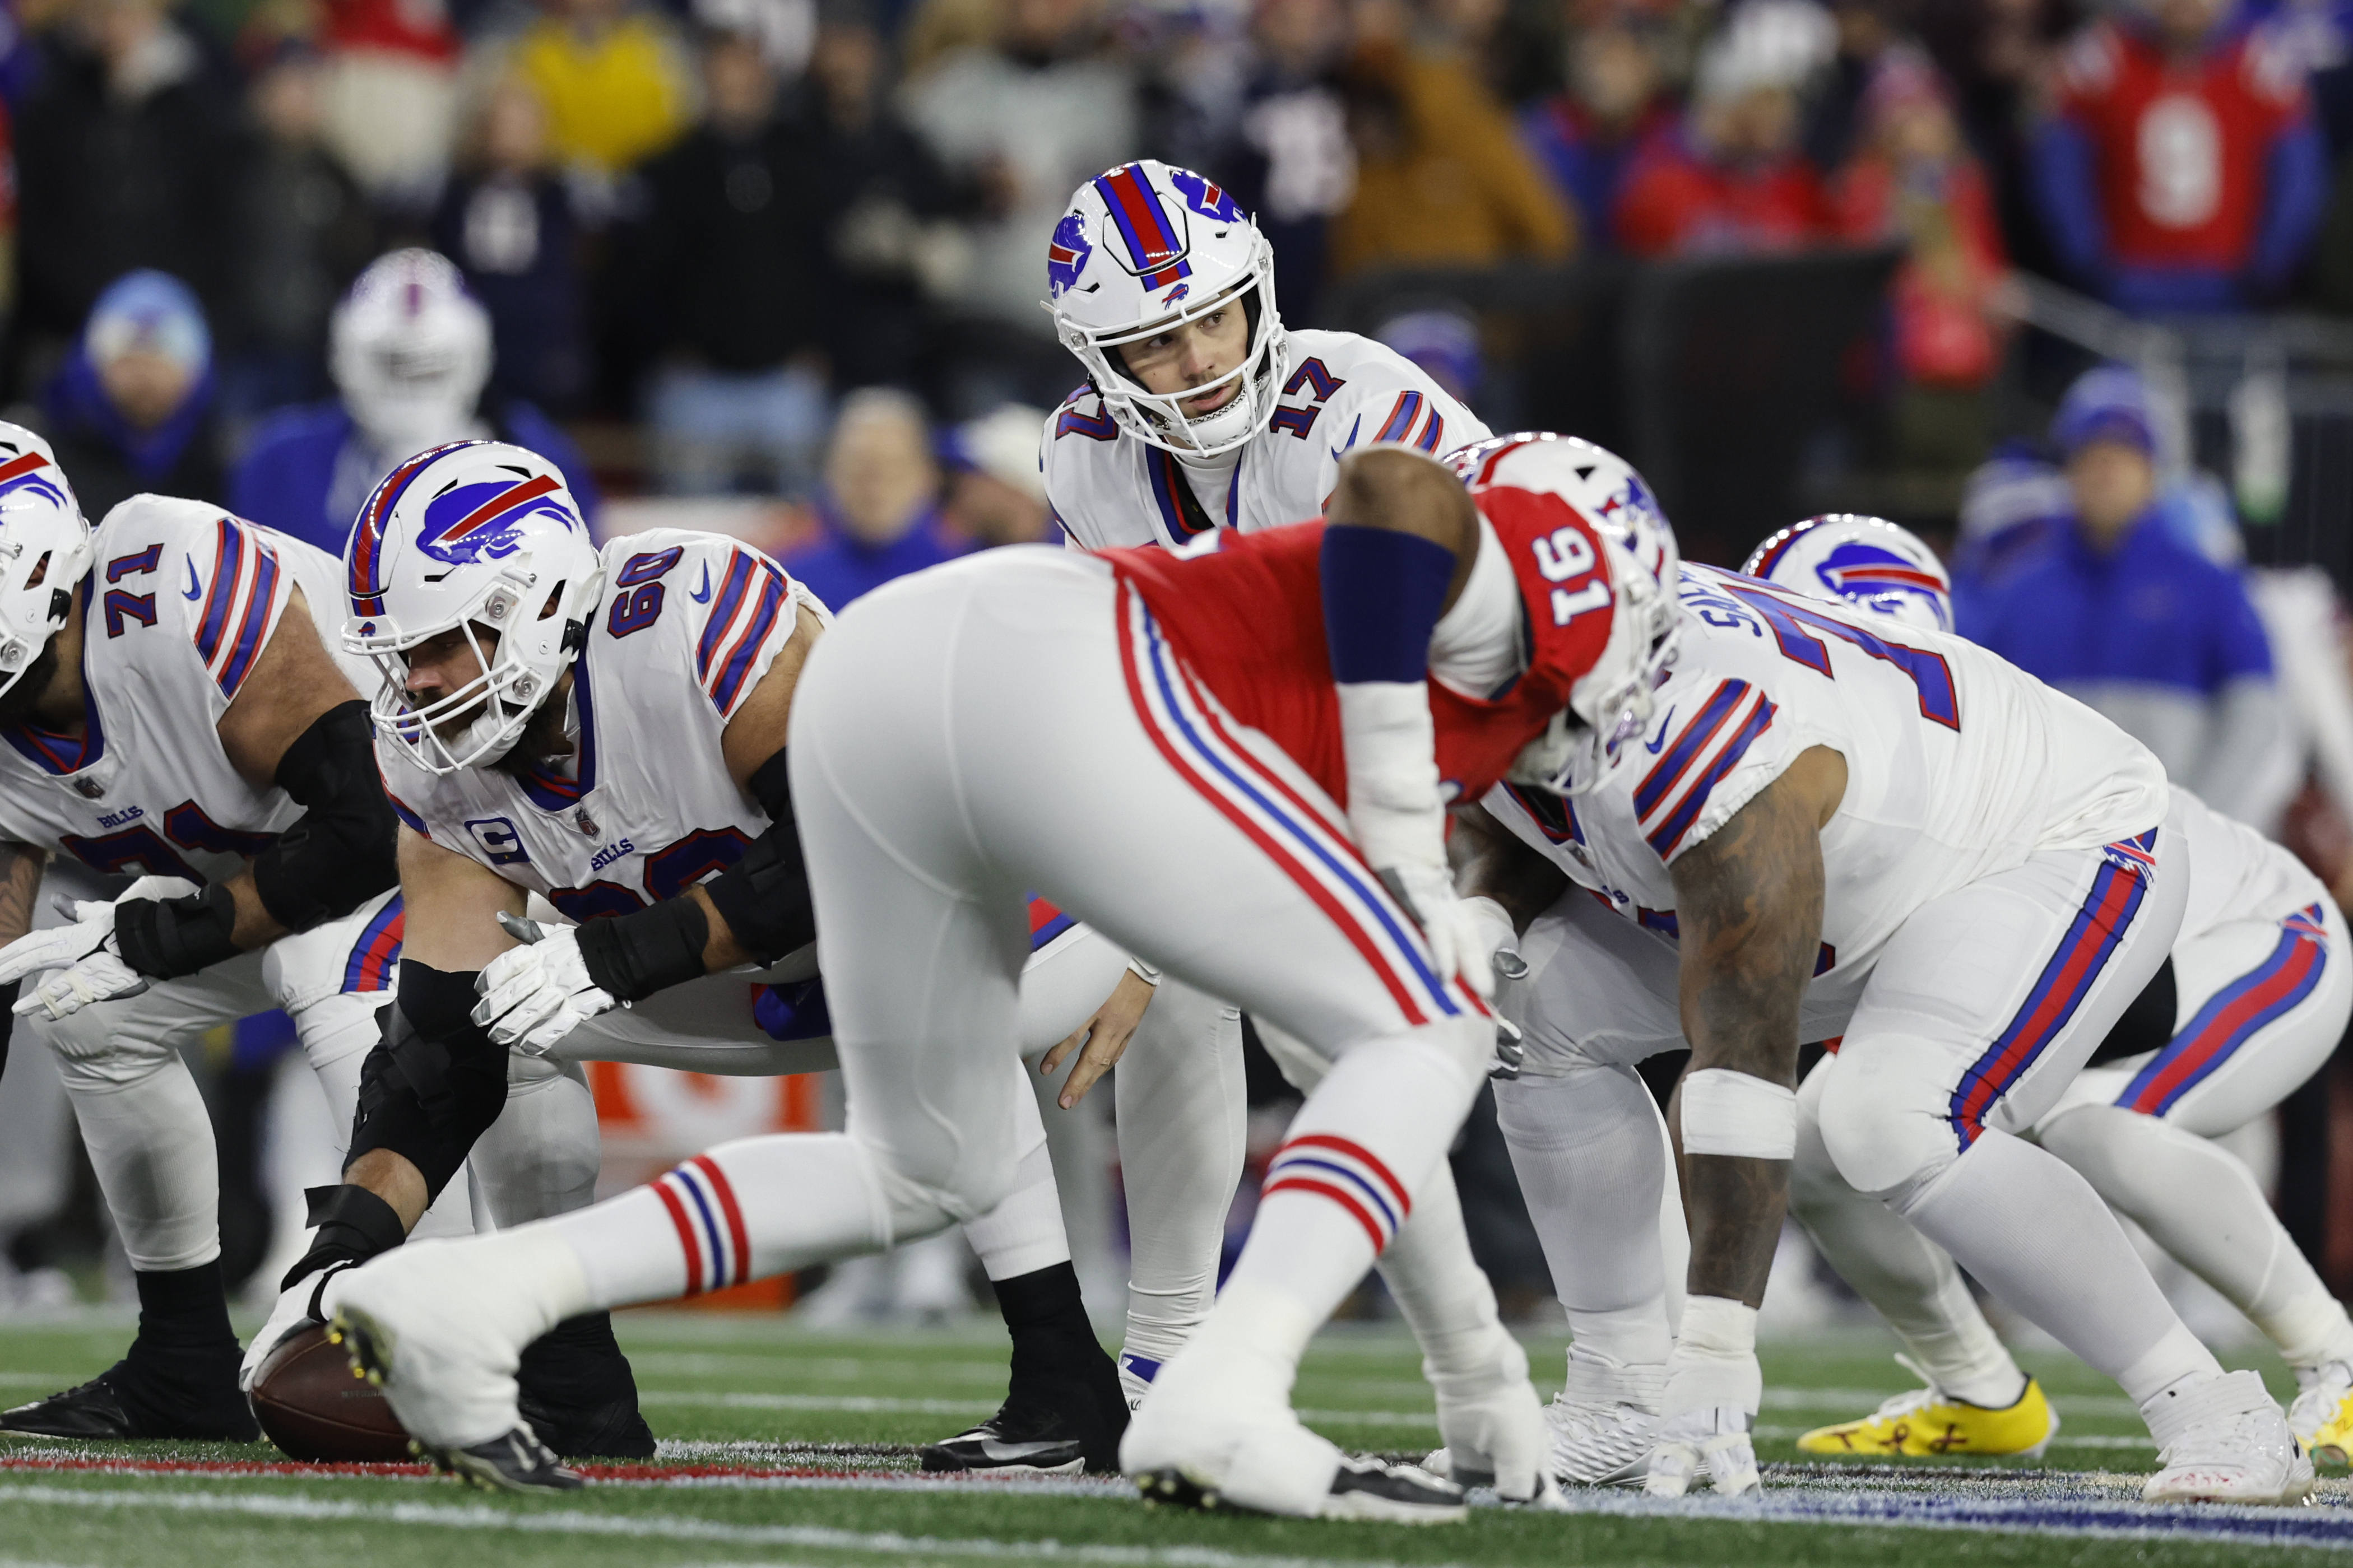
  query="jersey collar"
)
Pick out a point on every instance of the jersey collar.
point(550, 790)
point(58, 754)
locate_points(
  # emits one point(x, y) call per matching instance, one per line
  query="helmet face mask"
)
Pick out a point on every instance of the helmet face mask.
point(474, 538)
point(1144, 250)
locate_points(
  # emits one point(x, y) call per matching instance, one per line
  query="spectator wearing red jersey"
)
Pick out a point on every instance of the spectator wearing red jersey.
point(2183, 169)
point(1587, 137)
point(1731, 180)
point(1913, 182)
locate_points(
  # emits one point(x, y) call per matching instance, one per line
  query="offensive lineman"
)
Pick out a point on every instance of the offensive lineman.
point(1967, 876)
point(1199, 412)
point(2247, 1007)
point(171, 714)
point(606, 730)
point(1228, 700)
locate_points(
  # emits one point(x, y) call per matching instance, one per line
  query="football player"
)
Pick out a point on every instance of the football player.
point(1837, 831)
point(172, 715)
point(1199, 412)
point(605, 731)
point(2247, 1007)
point(1201, 718)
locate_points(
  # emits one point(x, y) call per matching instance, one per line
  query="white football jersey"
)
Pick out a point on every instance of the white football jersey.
point(1108, 488)
point(178, 605)
point(1958, 766)
point(644, 808)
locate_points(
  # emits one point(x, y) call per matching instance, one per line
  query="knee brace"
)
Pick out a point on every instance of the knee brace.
point(1879, 1138)
point(427, 1100)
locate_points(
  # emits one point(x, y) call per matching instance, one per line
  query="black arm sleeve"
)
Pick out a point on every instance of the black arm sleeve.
point(340, 852)
point(765, 897)
point(435, 1083)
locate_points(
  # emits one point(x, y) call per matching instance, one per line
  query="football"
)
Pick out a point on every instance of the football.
point(311, 1405)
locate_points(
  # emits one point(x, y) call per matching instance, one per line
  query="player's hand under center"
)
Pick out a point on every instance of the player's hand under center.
point(1102, 1040)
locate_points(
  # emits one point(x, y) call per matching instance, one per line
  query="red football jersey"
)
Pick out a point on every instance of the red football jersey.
point(1247, 620)
point(2180, 149)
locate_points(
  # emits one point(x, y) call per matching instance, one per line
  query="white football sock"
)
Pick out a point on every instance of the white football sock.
point(1443, 1293)
point(1369, 1136)
point(744, 1211)
point(1908, 1278)
point(1183, 1109)
point(1588, 1147)
point(2035, 1233)
point(151, 1144)
point(2201, 1204)
point(1024, 1233)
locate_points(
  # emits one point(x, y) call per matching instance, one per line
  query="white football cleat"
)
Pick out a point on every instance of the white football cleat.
point(2321, 1415)
point(441, 1326)
point(2226, 1440)
point(1713, 1442)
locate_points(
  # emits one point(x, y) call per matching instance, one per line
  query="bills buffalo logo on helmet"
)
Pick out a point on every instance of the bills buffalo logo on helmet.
point(23, 475)
point(1204, 197)
point(479, 523)
point(1067, 256)
point(1859, 568)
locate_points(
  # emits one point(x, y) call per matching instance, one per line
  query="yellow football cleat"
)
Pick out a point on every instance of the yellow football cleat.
point(1930, 1421)
point(2321, 1415)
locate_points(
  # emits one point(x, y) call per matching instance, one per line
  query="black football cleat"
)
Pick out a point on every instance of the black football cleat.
point(1018, 1439)
point(518, 1462)
point(118, 1404)
point(576, 1388)
point(1363, 1489)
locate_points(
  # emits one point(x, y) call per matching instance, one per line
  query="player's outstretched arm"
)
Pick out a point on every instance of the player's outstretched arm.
point(1749, 902)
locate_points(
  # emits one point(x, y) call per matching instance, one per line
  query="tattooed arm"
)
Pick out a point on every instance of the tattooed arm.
point(1490, 862)
point(20, 883)
point(1749, 903)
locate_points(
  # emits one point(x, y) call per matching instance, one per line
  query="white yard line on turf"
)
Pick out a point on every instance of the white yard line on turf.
point(872, 1405)
point(664, 1527)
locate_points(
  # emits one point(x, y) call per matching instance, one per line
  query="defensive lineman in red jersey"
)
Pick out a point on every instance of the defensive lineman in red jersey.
point(1270, 829)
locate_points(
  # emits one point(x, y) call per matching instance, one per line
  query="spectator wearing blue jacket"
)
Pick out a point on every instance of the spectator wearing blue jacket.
point(2117, 610)
point(410, 351)
point(880, 508)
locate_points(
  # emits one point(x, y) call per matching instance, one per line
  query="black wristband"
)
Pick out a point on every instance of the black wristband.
point(7, 1020)
point(167, 938)
point(634, 956)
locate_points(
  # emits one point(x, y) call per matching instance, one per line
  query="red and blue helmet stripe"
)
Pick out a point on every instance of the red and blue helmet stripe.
point(1156, 244)
point(366, 583)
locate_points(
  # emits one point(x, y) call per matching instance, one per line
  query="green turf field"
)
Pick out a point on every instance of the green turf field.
point(738, 1393)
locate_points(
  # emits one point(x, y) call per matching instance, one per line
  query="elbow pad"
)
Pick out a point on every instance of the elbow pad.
point(765, 897)
point(341, 853)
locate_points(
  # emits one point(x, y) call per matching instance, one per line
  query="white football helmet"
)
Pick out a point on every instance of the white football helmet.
point(410, 348)
point(1610, 703)
point(481, 536)
point(46, 549)
point(1143, 249)
point(1869, 562)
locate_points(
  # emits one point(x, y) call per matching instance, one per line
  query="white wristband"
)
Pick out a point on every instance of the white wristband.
point(1731, 1114)
point(1143, 972)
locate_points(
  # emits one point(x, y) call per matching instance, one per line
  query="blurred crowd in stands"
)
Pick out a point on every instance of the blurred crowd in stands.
point(696, 232)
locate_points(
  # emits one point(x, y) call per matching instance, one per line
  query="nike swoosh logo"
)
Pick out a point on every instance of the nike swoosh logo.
point(702, 596)
point(1652, 747)
point(196, 589)
point(1350, 443)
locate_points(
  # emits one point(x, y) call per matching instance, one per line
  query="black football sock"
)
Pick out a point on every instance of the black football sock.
point(576, 1390)
point(181, 1369)
point(1058, 1363)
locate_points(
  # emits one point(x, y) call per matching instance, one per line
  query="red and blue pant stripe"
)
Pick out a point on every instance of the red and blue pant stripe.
point(2067, 978)
point(2232, 1016)
point(1344, 1173)
point(709, 1223)
point(376, 954)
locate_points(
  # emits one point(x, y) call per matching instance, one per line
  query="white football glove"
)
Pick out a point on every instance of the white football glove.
point(534, 994)
point(85, 954)
point(1457, 938)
